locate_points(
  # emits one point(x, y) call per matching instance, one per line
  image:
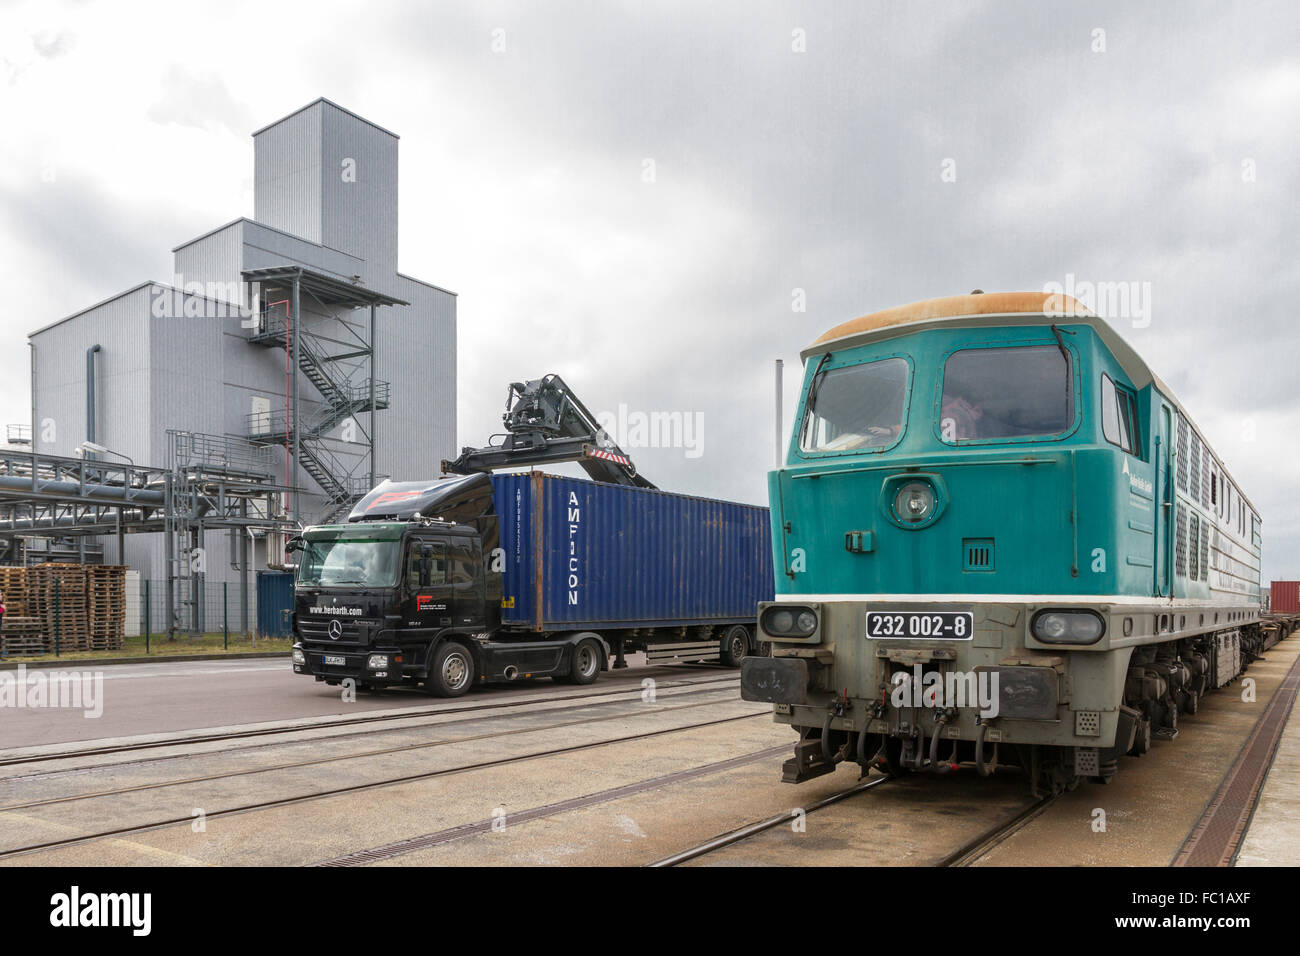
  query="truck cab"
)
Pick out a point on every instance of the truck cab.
point(374, 599)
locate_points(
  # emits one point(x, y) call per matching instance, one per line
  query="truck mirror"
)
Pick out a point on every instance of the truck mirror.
point(293, 544)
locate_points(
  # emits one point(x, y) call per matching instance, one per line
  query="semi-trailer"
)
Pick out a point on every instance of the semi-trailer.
point(486, 578)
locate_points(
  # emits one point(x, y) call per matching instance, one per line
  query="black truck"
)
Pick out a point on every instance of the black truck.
point(482, 578)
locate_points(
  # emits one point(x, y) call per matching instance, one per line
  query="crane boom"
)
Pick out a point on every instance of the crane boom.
point(546, 423)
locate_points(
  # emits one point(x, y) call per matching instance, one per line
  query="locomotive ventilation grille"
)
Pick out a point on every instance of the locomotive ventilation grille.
point(977, 554)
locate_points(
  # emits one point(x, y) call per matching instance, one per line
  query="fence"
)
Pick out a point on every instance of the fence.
point(60, 608)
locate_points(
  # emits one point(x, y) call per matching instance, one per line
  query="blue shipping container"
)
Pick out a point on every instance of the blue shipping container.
point(583, 554)
point(274, 603)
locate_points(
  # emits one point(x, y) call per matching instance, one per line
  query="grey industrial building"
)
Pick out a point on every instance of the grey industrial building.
point(288, 353)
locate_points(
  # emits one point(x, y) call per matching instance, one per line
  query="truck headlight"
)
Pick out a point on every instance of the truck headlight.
point(789, 621)
point(914, 502)
point(298, 656)
point(1067, 626)
point(377, 662)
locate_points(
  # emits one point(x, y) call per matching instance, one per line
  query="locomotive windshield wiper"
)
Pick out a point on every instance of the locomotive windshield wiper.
point(1060, 344)
point(818, 374)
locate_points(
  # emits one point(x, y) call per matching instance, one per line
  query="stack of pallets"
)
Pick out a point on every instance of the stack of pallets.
point(13, 590)
point(22, 632)
point(56, 595)
point(22, 635)
point(106, 605)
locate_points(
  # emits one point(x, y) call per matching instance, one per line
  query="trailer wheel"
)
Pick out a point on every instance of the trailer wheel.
point(451, 672)
point(735, 645)
point(584, 666)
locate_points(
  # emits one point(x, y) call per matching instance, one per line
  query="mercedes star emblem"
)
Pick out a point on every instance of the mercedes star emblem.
point(336, 629)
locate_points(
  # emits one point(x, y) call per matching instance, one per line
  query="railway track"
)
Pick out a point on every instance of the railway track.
point(119, 832)
point(329, 724)
point(749, 830)
point(378, 752)
point(974, 849)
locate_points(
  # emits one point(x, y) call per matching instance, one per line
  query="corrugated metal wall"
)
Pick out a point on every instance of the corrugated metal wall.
point(287, 174)
point(123, 376)
point(359, 191)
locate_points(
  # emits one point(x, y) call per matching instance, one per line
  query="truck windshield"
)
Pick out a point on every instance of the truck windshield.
point(342, 562)
point(855, 407)
point(1006, 392)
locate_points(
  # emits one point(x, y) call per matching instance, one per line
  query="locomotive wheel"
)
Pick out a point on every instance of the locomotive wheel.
point(735, 645)
point(1141, 739)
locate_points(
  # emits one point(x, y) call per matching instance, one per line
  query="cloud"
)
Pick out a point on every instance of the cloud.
point(525, 134)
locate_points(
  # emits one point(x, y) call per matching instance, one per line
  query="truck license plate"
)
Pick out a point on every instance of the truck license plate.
point(333, 661)
point(945, 625)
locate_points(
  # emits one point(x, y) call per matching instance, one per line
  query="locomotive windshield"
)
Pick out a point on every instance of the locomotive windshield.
point(1007, 392)
point(855, 407)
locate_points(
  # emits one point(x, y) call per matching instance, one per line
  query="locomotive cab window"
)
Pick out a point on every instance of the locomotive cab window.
point(855, 407)
point(1006, 392)
point(1119, 416)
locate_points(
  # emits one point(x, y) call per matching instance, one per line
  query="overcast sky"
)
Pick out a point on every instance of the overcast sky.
point(630, 194)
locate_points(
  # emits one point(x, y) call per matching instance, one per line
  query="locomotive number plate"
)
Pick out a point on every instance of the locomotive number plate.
point(944, 625)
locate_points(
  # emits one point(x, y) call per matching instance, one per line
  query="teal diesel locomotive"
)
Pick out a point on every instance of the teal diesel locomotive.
point(998, 538)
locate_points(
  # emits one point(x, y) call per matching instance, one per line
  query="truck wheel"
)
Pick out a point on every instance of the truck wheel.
point(584, 665)
point(735, 645)
point(451, 672)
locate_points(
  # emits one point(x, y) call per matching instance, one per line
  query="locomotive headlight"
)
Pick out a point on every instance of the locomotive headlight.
point(797, 622)
point(914, 502)
point(1067, 627)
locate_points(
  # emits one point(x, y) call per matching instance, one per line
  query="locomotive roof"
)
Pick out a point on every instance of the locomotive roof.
point(981, 309)
point(984, 309)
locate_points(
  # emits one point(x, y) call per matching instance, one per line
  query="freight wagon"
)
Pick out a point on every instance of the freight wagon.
point(498, 577)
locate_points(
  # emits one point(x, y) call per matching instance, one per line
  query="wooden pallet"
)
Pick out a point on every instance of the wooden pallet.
point(22, 635)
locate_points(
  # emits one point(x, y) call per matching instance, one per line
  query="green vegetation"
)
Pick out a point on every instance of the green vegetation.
point(159, 647)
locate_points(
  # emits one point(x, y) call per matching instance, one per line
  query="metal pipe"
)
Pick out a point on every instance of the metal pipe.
point(75, 489)
point(374, 438)
point(984, 770)
point(32, 349)
point(935, 765)
point(90, 394)
point(780, 394)
point(294, 306)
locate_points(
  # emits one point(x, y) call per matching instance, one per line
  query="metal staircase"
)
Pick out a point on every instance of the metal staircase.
point(338, 476)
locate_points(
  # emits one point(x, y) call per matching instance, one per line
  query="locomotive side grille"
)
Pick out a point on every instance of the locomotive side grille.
point(1180, 545)
point(1195, 462)
point(1182, 452)
point(1205, 551)
point(1207, 479)
point(1194, 552)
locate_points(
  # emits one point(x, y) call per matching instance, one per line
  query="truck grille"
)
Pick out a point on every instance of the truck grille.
point(319, 631)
